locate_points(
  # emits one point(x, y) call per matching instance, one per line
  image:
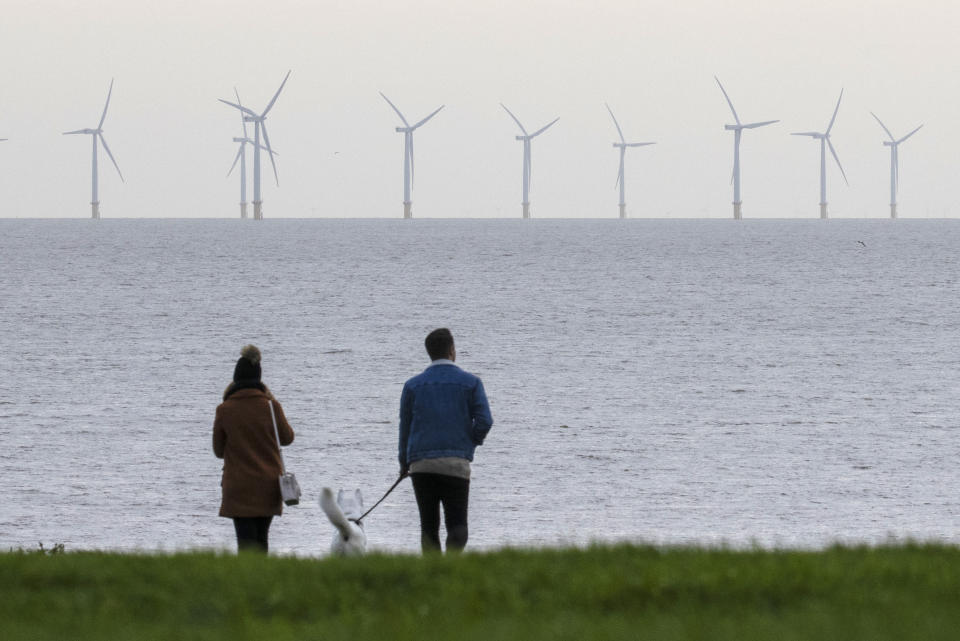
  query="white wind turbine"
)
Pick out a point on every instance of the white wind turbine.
point(526, 138)
point(97, 134)
point(894, 144)
point(260, 126)
point(737, 133)
point(242, 157)
point(622, 145)
point(407, 131)
point(824, 138)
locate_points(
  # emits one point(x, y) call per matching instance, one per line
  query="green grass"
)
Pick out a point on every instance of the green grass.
point(621, 592)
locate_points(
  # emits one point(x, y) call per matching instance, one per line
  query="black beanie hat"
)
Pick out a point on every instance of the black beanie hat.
point(248, 365)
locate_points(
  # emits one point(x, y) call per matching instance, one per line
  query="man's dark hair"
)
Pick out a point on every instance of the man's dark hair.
point(439, 342)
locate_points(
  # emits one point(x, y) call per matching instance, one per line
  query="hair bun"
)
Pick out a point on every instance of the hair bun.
point(251, 353)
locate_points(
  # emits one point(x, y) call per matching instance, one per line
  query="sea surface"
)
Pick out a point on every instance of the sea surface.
point(780, 383)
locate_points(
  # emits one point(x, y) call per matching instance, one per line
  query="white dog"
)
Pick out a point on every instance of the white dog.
point(350, 539)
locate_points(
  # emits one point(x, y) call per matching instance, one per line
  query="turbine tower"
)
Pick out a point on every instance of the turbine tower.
point(894, 144)
point(407, 131)
point(260, 126)
point(526, 138)
point(242, 157)
point(737, 130)
point(97, 134)
point(824, 138)
point(622, 145)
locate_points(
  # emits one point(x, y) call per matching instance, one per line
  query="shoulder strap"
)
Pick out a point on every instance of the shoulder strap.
point(273, 417)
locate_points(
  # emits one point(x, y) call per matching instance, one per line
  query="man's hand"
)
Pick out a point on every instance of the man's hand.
point(404, 471)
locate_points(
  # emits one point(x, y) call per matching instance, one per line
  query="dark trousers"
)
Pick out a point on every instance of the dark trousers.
point(432, 491)
point(252, 532)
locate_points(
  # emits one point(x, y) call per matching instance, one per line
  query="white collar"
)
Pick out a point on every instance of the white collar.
point(442, 361)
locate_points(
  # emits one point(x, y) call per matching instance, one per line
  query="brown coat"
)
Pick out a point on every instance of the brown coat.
point(243, 437)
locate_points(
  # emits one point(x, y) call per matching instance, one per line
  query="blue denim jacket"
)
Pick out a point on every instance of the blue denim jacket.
point(443, 412)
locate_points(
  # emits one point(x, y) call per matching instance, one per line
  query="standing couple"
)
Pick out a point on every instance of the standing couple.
point(444, 416)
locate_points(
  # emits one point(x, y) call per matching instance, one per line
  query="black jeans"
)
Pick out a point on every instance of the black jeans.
point(452, 492)
point(252, 532)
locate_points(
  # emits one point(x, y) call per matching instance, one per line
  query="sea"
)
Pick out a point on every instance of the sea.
point(772, 383)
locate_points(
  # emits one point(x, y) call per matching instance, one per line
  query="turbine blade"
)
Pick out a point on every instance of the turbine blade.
point(243, 121)
point(729, 102)
point(410, 152)
point(812, 134)
point(270, 151)
point(514, 119)
point(639, 144)
point(884, 126)
point(78, 131)
point(529, 169)
point(909, 134)
point(276, 95)
point(249, 112)
point(619, 178)
point(733, 174)
point(235, 160)
point(428, 117)
point(837, 158)
point(544, 128)
point(617, 124)
point(266, 139)
point(107, 149)
point(835, 110)
point(405, 123)
point(104, 116)
point(754, 125)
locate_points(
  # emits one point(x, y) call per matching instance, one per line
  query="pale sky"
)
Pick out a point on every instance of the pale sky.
point(653, 62)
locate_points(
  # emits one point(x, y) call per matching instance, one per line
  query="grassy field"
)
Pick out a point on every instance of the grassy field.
point(621, 592)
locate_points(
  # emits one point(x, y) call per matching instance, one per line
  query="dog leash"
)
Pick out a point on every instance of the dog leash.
point(392, 488)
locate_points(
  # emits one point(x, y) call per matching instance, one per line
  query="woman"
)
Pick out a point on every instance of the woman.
point(244, 438)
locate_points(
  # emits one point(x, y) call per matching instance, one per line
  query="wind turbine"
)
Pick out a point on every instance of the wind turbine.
point(97, 134)
point(407, 131)
point(526, 138)
point(242, 157)
point(622, 145)
point(260, 126)
point(893, 143)
point(824, 139)
point(737, 130)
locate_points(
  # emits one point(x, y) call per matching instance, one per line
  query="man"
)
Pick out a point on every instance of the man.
point(444, 416)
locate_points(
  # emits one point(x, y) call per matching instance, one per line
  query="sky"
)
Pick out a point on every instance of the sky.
point(339, 156)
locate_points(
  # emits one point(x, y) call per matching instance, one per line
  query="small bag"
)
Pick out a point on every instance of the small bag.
point(289, 488)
